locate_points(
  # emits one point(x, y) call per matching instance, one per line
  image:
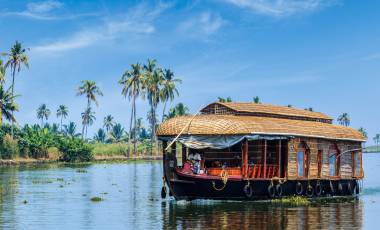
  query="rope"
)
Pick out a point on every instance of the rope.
point(224, 177)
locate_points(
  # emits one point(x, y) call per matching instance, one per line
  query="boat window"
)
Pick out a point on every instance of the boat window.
point(301, 163)
point(332, 164)
point(320, 160)
point(356, 165)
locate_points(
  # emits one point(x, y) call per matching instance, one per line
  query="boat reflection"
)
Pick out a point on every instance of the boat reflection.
point(252, 215)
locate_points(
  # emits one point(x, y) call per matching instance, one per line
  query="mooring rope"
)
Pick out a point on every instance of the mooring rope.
point(224, 177)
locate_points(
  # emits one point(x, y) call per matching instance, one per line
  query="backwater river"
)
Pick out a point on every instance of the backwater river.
point(58, 196)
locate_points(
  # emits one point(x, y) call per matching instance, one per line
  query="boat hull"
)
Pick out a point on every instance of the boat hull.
point(188, 188)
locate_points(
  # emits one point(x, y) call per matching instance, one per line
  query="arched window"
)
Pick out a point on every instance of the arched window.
point(302, 160)
point(334, 161)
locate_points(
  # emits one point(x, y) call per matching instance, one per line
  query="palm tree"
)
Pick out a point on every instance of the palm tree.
point(108, 123)
point(117, 133)
point(62, 112)
point(91, 90)
point(2, 72)
point(70, 129)
point(88, 118)
point(179, 110)
point(169, 88)
point(363, 132)
point(309, 109)
point(7, 105)
point(344, 119)
point(100, 136)
point(376, 139)
point(139, 127)
point(132, 83)
point(223, 100)
point(43, 113)
point(256, 100)
point(16, 58)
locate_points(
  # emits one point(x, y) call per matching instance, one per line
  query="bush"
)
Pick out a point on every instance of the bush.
point(9, 147)
point(74, 150)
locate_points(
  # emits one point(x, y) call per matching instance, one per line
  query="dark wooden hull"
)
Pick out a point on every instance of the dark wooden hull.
point(189, 188)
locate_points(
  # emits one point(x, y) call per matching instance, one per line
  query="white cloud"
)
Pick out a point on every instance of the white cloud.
point(43, 7)
point(138, 21)
point(281, 8)
point(43, 11)
point(204, 24)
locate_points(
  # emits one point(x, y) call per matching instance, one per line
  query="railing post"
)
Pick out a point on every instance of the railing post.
point(279, 158)
point(265, 158)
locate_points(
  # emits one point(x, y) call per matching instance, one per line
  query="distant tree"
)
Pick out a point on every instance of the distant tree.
point(7, 105)
point(344, 119)
point(256, 100)
point(132, 82)
point(100, 136)
point(117, 133)
point(108, 123)
point(88, 118)
point(91, 91)
point(43, 113)
point(179, 110)
point(290, 106)
point(363, 132)
point(223, 100)
point(309, 109)
point(62, 112)
point(70, 130)
point(169, 88)
point(2, 72)
point(376, 139)
point(16, 58)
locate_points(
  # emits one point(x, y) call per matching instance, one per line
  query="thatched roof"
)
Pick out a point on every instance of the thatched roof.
point(253, 109)
point(237, 125)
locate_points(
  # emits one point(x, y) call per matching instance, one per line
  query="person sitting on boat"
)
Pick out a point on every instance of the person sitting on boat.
point(196, 163)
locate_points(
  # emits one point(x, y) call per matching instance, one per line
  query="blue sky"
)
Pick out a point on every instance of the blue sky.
point(313, 53)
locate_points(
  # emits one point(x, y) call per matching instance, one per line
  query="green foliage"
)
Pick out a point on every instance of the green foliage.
point(74, 150)
point(9, 147)
point(35, 142)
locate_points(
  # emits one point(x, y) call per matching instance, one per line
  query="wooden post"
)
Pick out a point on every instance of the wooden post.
point(265, 158)
point(245, 159)
point(279, 158)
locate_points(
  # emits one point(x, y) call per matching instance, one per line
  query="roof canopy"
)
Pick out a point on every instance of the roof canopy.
point(253, 109)
point(242, 125)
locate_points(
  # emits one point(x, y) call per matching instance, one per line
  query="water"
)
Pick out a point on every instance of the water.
point(58, 197)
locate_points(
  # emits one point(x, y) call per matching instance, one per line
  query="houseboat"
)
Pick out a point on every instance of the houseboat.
point(247, 151)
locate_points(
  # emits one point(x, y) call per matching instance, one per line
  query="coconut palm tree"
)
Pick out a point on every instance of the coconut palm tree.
point(7, 105)
point(344, 119)
point(43, 112)
point(16, 59)
point(2, 72)
point(91, 90)
point(88, 117)
point(256, 100)
point(153, 83)
point(223, 100)
point(100, 136)
point(117, 133)
point(132, 83)
point(363, 132)
point(376, 139)
point(70, 129)
point(62, 112)
point(108, 123)
point(169, 88)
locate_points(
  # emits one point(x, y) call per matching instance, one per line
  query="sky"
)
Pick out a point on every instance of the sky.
point(312, 53)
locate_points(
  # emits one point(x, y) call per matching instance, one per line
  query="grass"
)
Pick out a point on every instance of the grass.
point(120, 149)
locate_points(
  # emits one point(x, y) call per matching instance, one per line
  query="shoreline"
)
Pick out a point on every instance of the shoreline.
point(97, 159)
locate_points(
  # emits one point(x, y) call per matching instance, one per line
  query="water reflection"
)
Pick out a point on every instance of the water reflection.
point(253, 215)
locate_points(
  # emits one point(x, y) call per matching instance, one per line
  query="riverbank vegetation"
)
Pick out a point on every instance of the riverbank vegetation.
point(62, 141)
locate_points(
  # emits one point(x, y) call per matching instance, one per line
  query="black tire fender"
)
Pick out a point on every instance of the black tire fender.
point(248, 191)
point(279, 190)
point(310, 191)
point(163, 192)
point(271, 191)
point(299, 188)
point(318, 189)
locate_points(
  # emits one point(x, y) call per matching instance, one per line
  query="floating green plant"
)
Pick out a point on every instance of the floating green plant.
point(96, 199)
point(292, 200)
point(81, 171)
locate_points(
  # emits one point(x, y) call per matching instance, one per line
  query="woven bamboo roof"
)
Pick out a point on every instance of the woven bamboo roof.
point(238, 125)
point(250, 108)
